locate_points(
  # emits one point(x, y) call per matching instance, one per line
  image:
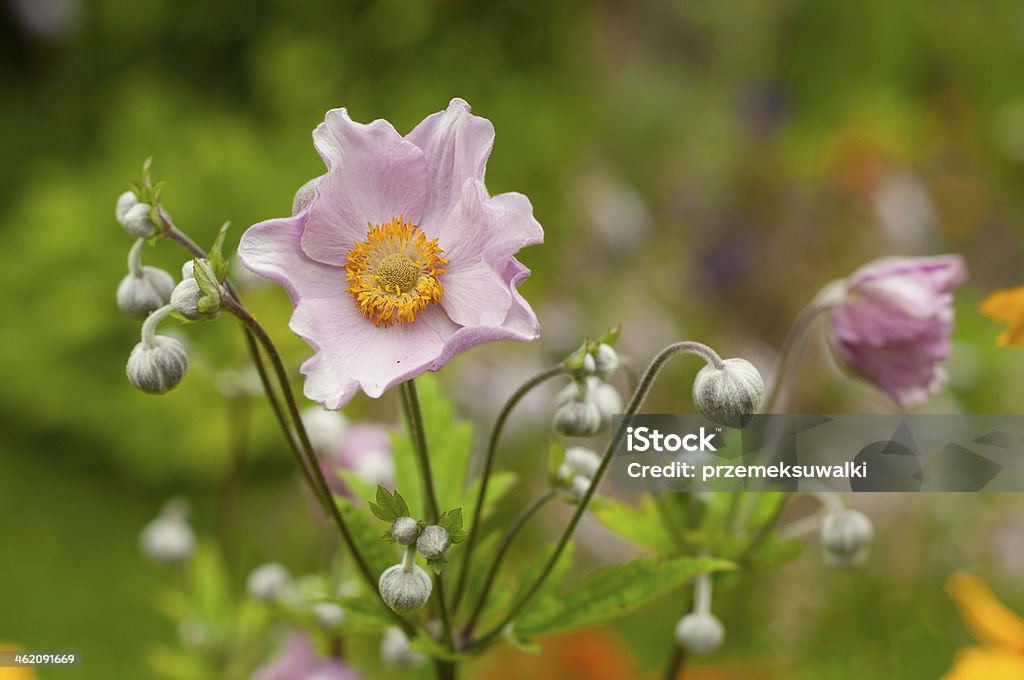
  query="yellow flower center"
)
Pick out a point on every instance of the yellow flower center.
point(394, 274)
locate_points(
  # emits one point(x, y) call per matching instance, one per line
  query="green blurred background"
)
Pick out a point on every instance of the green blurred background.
point(701, 170)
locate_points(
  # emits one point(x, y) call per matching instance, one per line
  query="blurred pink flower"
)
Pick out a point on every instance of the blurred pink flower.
point(298, 660)
point(401, 259)
point(365, 450)
point(893, 320)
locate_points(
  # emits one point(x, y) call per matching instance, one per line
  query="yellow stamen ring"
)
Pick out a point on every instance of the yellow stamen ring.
point(394, 274)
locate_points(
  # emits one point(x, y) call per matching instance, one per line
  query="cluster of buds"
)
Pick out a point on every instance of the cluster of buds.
point(306, 598)
point(406, 586)
point(158, 363)
point(577, 470)
point(586, 406)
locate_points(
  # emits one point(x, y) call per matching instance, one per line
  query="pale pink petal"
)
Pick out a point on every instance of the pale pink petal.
point(272, 249)
point(373, 176)
point(456, 145)
point(354, 354)
point(893, 326)
point(520, 323)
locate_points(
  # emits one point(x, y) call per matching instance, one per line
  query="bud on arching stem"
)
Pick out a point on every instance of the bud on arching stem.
point(143, 289)
point(158, 362)
point(405, 587)
point(728, 392)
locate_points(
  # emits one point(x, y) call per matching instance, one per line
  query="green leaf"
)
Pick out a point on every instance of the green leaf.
point(389, 507)
point(218, 263)
point(208, 284)
point(640, 525)
point(611, 336)
point(366, 533)
point(554, 582)
point(450, 443)
point(451, 520)
point(612, 592)
point(210, 588)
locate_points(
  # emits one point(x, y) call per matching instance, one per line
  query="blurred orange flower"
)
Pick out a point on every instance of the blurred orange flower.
point(1007, 306)
point(1001, 632)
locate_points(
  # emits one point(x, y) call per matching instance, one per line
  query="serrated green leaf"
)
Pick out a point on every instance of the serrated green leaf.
point(380, 513)
point(457, 535)
point(432, 648)
point(612, 592)
point(218, 263)
point(640, 525)
point(400, 506)
point(366, 614)
point(450, 443)
point(366, 533)
point(554, 582)
point(451, 521)
point(611, 336)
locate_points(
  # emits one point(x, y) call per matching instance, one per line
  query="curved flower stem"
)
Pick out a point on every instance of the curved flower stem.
point(282, 419)
point(510, 534)
point(635, 402)
point(445, 614)
point(414, 421)
point(792, 347)
point(148, 334)
point(256, 335)
point(485, 475)
point(135, 257)
point(675, 664)
point(319, 483)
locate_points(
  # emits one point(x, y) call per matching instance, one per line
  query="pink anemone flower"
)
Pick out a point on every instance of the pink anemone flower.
point(893, 322)
point(398, 258)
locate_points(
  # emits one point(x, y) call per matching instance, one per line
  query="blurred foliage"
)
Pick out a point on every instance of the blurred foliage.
point(700, 168)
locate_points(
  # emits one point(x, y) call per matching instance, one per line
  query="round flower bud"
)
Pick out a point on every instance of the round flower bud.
point(578, 487)
point(606, 360)
point(267, 582)
point(329, 615)
point(582, 461)
point(305, 195)
point(729, 395)
point(168, 539)
point(405, 530)
point(137, 222)
point(846, 537)
point(606, 398)
point(142, 293)
point(578, 418)
point(433, 542)
point(185, 300)
point(188, 270)
point(158, 366)
point(125, 202)
point(395, 651)
point(403, 590)
point(700, 633)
